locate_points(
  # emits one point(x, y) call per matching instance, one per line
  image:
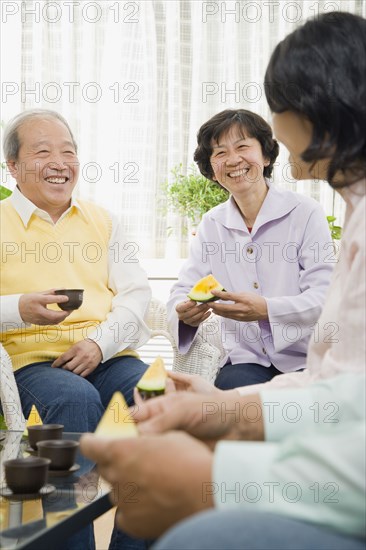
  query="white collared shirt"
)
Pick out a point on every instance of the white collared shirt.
point(127, 280)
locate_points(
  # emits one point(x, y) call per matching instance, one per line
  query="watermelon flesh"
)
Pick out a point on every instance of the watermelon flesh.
point(201, 292)
point(153, 381)
point(116, 422)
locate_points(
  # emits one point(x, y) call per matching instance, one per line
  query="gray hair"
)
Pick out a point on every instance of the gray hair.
point(11, 143)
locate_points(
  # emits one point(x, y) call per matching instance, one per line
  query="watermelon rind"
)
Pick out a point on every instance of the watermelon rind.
point(153, 381)
point(198, 295)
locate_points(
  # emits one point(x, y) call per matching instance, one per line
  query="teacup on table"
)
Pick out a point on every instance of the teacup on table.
point(75, 296)
point(61, 452)
point(45, 431)
point(26, 475)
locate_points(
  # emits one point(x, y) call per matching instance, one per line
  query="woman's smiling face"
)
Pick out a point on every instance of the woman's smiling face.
point(295, 132)
point(237, 161)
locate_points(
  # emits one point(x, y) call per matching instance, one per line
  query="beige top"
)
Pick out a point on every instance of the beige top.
point(338, 345)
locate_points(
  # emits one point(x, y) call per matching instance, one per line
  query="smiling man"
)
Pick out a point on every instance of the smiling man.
point(67, 363)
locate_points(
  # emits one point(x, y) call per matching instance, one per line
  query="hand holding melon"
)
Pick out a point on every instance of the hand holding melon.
point(201, 292)
point(197, 309)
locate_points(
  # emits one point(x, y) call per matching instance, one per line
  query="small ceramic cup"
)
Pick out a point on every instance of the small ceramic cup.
point(26, 475)
point(75, 296)
point(42, 432)
point(61, 452)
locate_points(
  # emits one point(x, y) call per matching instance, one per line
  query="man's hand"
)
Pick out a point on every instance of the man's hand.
point(33, 308)
point(193, 314)
point(246, 306)
point(156, 481)
point(208, 417)
point(82, 358)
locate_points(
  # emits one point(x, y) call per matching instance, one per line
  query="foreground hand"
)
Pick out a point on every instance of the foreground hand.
point(208, 417)
point(193, 314)
point(190, 382)
point(178, 381)
point(247, 306)
point(82, 358)
point(156, 481)
point(33, 308)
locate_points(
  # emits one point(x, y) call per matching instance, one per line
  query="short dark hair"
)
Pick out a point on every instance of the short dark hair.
point(319, 71)
point(254, 125)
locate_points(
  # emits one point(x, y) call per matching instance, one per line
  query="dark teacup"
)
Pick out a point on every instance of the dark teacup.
point(26, 475)
point(45, 431)
point(75, 297)
point(61, 452)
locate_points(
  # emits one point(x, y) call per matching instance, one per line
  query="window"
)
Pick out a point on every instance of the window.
point(136, 79)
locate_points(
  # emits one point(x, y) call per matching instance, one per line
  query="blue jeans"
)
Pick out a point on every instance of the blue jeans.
point(63, 397)
point(244, 374)
point(78, 403)
point(248, 530)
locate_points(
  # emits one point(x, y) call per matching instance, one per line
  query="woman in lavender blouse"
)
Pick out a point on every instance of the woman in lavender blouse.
point(269, 248)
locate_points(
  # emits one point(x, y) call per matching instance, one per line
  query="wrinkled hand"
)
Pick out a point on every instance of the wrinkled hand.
point(33, 308)
point(207, 417)
point(247, 306)
point(190, 382)
point(82, 358)
point(178, 381)
point(156, 481)
point(193, 314)
point(169, 388)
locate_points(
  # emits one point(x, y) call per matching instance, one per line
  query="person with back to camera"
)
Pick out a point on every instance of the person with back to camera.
point(68, 364)
point(298, 481)
point(267, 247)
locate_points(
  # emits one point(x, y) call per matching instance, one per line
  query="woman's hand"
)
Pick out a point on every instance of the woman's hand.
point(193, 314)
point(247, 306)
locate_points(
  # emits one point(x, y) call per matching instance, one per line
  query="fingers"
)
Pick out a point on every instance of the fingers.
point(161, 421)
point(53, 299)
point(195, 315)
point(223, 295)
point(147, 409)
point(55, 317)
point(95, 448)
point(137, 397)
point(182, 382)
point(170, 386)
point(223, 310)
point(62, 359)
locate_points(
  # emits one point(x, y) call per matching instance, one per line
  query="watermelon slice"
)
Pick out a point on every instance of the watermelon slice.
point(201, 292)
point(116, 422)
point(34, 419)
point(153, 381)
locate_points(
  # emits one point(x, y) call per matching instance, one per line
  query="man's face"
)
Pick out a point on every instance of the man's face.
point(47, 167)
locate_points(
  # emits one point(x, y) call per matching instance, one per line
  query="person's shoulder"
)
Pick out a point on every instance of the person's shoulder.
point(6, 203)
point(97, 215)
point(217, 211)
point(91, 206)
point(301, 202)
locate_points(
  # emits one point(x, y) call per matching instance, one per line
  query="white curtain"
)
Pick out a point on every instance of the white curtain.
point(136, 79)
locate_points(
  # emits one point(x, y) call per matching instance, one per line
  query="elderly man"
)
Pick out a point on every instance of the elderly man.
point(67, 363)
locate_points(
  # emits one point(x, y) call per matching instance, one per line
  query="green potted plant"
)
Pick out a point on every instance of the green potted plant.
point(335, 230)
point(191, 195)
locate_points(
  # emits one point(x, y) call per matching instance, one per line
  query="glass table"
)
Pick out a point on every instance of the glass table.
point(71, 501)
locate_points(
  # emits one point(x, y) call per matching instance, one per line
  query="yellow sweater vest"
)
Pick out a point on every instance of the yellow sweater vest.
point(71, 254)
